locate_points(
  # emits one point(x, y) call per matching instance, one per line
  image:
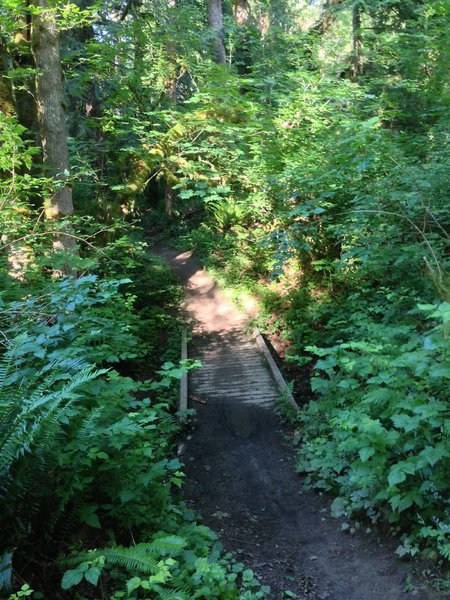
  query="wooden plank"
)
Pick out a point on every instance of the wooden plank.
point(279, 379)
point(184, 377)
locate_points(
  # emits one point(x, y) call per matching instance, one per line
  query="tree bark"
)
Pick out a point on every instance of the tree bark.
point(51, 110)
point(23, 87)
point(169, 199)
point(215, 21)
point(357, 41)
point(6, 92)
point(241, 11)
point(328, 17)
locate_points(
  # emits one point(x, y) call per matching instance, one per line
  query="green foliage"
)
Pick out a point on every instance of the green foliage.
point(85, 449)
point(181, 566)
point(379, 435)
point(153, 294)
point(17, 186)
point(33, 416)
point(24, 592)
point(62, 420)
point(92, 448)
point(227, 213)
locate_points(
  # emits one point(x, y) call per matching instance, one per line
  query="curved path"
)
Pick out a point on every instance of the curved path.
point(241, 473)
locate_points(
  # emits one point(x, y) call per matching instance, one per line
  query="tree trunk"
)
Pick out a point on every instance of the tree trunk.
point(169, 199)
point(23, 86)
point(357, 41)
point(243, 54)
point(328, 17)
point(6, 93)
point(263, 23)
point(51, 111)
point(215, 21)
point(241, 11)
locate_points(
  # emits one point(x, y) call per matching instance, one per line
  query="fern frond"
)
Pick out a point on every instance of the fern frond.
point(32, 418)
point(177, 594)
point(6, 570)
point(136, 558)
point(69, 365)
point(5, 366)
point(37, 414)
point(170, 545)
point(142, 558)
point(87, 431)
point(139, 558)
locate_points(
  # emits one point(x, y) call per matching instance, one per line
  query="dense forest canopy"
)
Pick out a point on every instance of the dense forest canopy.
point(302, 148)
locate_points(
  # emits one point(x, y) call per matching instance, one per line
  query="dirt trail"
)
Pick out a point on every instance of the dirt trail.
point(241, 473)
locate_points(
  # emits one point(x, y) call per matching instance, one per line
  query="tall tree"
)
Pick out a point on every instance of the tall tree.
point(6, 93)
point(51, 109)
point(215, 21)
point(17, 70)
point(241, 11)
point(357, 40)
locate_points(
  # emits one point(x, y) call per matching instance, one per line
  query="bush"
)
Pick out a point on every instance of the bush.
point(378, 436)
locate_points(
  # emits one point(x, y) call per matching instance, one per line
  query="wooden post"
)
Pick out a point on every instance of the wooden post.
point(184, 377)
point(279, 379)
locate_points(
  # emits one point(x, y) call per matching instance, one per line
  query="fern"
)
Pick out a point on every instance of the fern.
point(142, 558)
point(227, 212)
point(33, 423)
point(170, 545)
point(177, 594)
point(139, 558)
point(5, 570)
point(80, 441)
point(23, 417)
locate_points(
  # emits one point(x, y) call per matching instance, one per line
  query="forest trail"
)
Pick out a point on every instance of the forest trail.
point(241, 472)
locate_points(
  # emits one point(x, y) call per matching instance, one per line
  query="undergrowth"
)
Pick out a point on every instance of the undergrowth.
point(90, 485)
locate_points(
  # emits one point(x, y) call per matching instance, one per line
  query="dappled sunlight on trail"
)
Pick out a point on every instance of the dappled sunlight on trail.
point(207, 307)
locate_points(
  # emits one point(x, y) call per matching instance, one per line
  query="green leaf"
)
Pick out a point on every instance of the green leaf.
point(366, 453)
point(71, 578)
point(443, 312)
point(338, 508)
point(372, 121)
point(396, 476)
point(88, 515)
point(102, 455)
point(406, 422)
point(248, 575)
point(434, 455)
point(439, 371)
point(92, 575)
point(133, 584)
point(185, 194)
